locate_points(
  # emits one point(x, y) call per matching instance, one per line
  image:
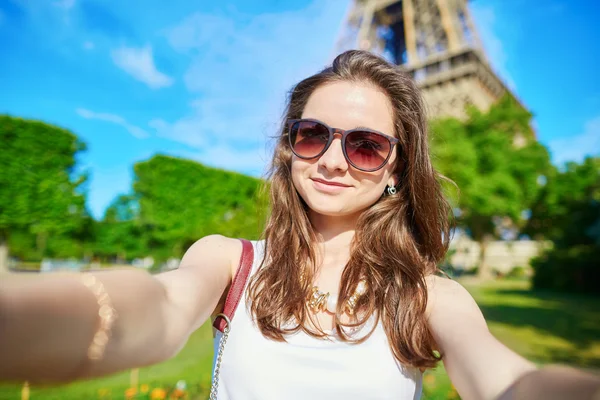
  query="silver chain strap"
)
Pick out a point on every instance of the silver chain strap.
point(215, 381)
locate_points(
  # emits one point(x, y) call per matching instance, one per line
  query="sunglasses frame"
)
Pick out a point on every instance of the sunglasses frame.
point(344, 133)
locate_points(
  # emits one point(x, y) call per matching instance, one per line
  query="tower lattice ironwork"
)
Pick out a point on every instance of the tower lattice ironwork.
point(435, 41)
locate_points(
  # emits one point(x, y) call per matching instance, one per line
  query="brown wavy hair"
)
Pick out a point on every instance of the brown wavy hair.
point(410, 230)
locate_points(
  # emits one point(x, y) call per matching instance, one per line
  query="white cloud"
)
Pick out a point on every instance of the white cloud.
point(577, 147)
point(115, 119)
point(241, 67)
point(485, 20)
point(250, 161)
point(217, 117)
point(88, 45)
point(139, 63)
point(218, 140)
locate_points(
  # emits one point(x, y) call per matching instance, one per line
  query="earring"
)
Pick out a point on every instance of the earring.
point(391, 190)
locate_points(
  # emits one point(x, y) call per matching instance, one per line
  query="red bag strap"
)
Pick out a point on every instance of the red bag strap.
point(237, 287)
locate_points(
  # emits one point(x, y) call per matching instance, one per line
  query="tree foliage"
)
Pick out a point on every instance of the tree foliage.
point(181, 200)
point(120, 234)
point(567, 211)
point(173, 202)
point(39, 194)
point(496, 163)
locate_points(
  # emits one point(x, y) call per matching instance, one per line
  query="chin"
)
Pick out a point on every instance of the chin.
point(330, 212)
point(333, 207)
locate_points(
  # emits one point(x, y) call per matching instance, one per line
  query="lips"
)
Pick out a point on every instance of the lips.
point(329, 183)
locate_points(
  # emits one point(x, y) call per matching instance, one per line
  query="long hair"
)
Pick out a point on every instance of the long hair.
point(409, 230)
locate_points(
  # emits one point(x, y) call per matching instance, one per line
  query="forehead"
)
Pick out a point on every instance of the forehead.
point(348, 105)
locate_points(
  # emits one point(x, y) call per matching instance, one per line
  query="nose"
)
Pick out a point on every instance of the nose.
point(333, 158)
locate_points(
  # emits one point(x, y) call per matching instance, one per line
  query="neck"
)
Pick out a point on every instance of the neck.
point(334, 235)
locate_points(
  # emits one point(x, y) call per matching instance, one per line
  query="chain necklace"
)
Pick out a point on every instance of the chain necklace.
point(319, 301)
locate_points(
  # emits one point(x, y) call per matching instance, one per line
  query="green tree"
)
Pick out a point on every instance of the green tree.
point(120, 234)
point(78, 242)
point(567, 211)
point(38, 191)
point(566, 207)
point(182, 200)
point(496, 163)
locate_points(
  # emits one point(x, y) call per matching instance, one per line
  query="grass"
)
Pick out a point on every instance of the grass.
point(544, 327)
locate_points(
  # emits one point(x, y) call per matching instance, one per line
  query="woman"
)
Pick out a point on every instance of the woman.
point(342, 302)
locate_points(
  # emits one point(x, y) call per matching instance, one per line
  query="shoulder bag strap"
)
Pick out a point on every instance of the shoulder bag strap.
point(236, 291)
point(223, 320)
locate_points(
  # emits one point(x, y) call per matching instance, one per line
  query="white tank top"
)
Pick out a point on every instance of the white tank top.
point(304, 367)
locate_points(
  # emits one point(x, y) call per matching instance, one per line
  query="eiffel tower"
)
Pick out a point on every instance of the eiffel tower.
point(433, 40)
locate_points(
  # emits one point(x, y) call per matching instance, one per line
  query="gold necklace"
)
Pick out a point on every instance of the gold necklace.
point(321, 302)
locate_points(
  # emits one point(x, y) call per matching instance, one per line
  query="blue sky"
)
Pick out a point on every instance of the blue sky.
point(207, 81)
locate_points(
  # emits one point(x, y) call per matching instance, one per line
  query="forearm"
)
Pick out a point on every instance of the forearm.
point(47, 323)
point(554, 383)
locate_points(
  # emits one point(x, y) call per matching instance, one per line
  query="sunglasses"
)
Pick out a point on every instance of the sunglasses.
point(364, 149)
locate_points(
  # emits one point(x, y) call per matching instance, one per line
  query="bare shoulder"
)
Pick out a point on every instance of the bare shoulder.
point(212, 243)
point(442, 286)
point(449, 303)
point(213, 250)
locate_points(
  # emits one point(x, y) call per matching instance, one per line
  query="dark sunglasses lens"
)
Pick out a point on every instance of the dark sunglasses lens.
point(367, 150)
point(308, 138)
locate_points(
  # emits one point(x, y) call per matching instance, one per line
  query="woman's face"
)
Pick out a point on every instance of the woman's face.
point(344, 105)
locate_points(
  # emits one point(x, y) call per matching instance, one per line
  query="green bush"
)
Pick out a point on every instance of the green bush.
point(517, 272)
point(574, 269)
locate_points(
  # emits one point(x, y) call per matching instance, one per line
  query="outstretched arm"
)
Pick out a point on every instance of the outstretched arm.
point(481, 367)
point(47, 322)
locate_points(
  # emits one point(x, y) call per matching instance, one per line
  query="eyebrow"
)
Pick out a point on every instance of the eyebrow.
point(366, 128)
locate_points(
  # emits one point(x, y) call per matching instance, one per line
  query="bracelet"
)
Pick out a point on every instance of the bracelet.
point(107, 315)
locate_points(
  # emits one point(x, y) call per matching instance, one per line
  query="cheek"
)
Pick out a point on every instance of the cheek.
point(373, 189)
point(298, 171)
point(373, 193)
point(296, 168)
point(295, 176)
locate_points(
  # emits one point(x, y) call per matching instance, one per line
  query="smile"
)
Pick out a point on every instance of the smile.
point(328, 186)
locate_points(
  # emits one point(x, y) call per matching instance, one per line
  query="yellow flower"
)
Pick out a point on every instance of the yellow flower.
point(144, 388)
point(178, 394)
point(158, 394)
point(430, 379)
point(130, 393)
